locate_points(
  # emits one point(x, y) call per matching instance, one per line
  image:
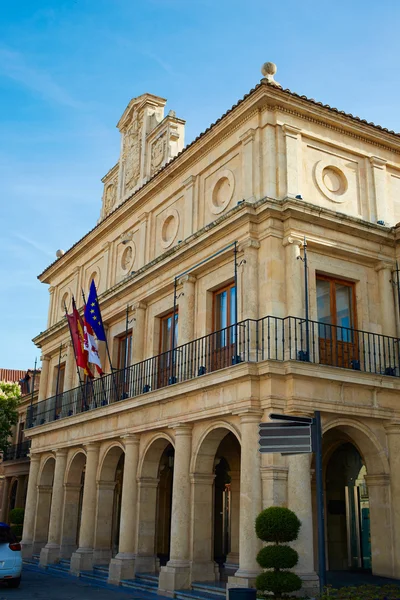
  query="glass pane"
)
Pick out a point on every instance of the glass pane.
point(344, 316)
point(176, 331)
point(166, 334)
point(221, 320)
point(232, 313)
point(324, 308)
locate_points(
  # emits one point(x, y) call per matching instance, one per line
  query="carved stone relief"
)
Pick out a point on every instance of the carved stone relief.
point(132, 152)
point(110, 197)
point(331, 180)
point(128, 257)
point(158, 151)
point(169, 227)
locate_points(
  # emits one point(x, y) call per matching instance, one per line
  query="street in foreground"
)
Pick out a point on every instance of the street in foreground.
point(37, 585)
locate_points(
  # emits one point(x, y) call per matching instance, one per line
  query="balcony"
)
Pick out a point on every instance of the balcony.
point(269, 338)
point(17, 451)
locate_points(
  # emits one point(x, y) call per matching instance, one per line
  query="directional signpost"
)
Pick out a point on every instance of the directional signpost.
point(300, 435)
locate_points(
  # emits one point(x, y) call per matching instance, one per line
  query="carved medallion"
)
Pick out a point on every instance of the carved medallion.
point(157, 153)
point(110, 197)
point(131, 153)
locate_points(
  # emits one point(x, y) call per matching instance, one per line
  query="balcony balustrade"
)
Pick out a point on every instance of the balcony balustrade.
point(17, 451)
point(269, 338)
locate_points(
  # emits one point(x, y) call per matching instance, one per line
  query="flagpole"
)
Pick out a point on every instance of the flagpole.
point(76, 360)
point(58, 381)
point(101, 376)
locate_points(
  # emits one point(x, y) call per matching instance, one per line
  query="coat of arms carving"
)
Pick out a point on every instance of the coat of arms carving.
point(157, 153)
point(132, 152)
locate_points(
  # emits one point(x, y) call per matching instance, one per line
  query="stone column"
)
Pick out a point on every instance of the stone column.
point(393, 437)
point(232, 560)
point(44, 493)
point(82, 559)
point(70, 369)
point(68, 544)
point(145, 561)
point(300, 502)
point(50, 320)
point(274, 484)
point(138, 332)
point(44, 377)
point(19, 500)
point(30, 507)
point(383, 207)
point(102, 550)
point(5, 500)
point(249, 170)
point(250, 502)
point(176, 574)
point(293, 160)
point(386, 301)
point(50, 553)
point(186, 310)
point(203, 565)
point(382, 556)
point(123, 565)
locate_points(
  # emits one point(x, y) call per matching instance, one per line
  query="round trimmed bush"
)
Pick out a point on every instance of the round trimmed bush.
point(278, 582)
point(17, 530)
point(277, 524)
point(17, 516)
point(277, 557)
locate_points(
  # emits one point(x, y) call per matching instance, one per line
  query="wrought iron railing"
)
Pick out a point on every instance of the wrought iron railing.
point(17, 451)
point(269, 338)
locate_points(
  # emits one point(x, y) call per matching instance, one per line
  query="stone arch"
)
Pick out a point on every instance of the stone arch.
point(44, 494)
point(215, 474)
point(154, 502)
point(109, 490)
point(201, 459)
point(346, 502)
point(73, 495)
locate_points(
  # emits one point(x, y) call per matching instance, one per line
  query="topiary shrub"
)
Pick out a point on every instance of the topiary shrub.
point(277, 524)
point(17, 530)
point(17, 516)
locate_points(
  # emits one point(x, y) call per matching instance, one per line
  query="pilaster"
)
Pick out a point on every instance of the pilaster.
point(292, 137)
point(248, 166)
point(190, 205)
point(382, 202)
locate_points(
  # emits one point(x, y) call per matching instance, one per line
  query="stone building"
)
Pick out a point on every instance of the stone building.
point(155, 468)
point(14, 467)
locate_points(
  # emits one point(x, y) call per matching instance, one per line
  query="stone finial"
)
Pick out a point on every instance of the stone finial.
point(268, 70)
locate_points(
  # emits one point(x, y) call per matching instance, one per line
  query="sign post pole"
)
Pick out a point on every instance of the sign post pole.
point(320, 502)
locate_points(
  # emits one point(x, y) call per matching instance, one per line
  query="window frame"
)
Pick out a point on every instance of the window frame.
point(121, 349)
point(216, 293)
point(163, 319)
point(332, 298)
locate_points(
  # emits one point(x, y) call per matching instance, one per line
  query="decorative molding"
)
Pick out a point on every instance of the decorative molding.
point(169, 227)
point(223, 179)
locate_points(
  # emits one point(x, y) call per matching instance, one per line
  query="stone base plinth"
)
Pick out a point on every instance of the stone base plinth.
point(310, 585)
point(101, 557)
point(49, 555)
point(121, 567)
point(27, 549)
point(246, 579)
point(81, 560)
point(174, 576)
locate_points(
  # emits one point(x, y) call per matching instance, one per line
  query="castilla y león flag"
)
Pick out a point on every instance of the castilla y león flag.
point(90, 346)
point(76, 326)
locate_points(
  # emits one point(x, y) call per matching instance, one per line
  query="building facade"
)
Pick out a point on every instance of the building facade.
point(155, 468)
point(15, 461)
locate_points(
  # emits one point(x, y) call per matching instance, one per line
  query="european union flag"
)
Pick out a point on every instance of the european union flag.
point(93, 315)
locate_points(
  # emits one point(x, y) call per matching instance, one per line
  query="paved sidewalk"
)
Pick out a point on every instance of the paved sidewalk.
point(40, 585)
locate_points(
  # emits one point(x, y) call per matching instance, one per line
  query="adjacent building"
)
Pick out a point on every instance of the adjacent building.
point(155, 468)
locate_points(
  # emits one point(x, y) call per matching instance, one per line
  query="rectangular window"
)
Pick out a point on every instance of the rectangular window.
point(337, 319)
point(168, 339)
point(166, 332)
point(124, 350)
point(225, 314)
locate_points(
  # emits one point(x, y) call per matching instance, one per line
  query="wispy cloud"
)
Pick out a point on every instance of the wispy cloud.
point(34, 244)
point(14, 66)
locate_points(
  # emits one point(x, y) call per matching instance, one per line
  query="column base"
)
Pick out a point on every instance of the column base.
point(232, 563)
point(81, 560)
point(204, 571)
point(66, 551)
point(242, 578)
point(121, 567)
point(310, 585)
point(174, 576)
point(49, 555)
point(27, 548)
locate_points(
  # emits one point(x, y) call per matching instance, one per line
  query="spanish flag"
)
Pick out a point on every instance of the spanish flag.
point(78, 339)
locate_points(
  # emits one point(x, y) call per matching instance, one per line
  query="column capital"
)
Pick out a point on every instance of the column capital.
point(291, 130)
point(248, 136)
point(34, 457)
point(384, 264)
point(45, 358)
point(182, 429)
point(186, 279)
point(148, 482)
point(250, 415)
point(274, 473)
point(205, 478)
point(74, 487)
point(130, 439)
point(249, 243)
point(392, 428)
point(290, 240)
point(377, 162)
point(59, 452)
point(45, 489)
point(139, 305)
point(106, 485)
point(380, 480)
point(92, 446)
point(190, 181)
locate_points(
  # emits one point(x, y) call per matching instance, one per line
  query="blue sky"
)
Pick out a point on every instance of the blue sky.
point(68, 68)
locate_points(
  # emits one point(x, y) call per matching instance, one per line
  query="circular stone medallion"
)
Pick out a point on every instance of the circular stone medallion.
point(331, 180)
point(222, 192)
point(169, 227)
